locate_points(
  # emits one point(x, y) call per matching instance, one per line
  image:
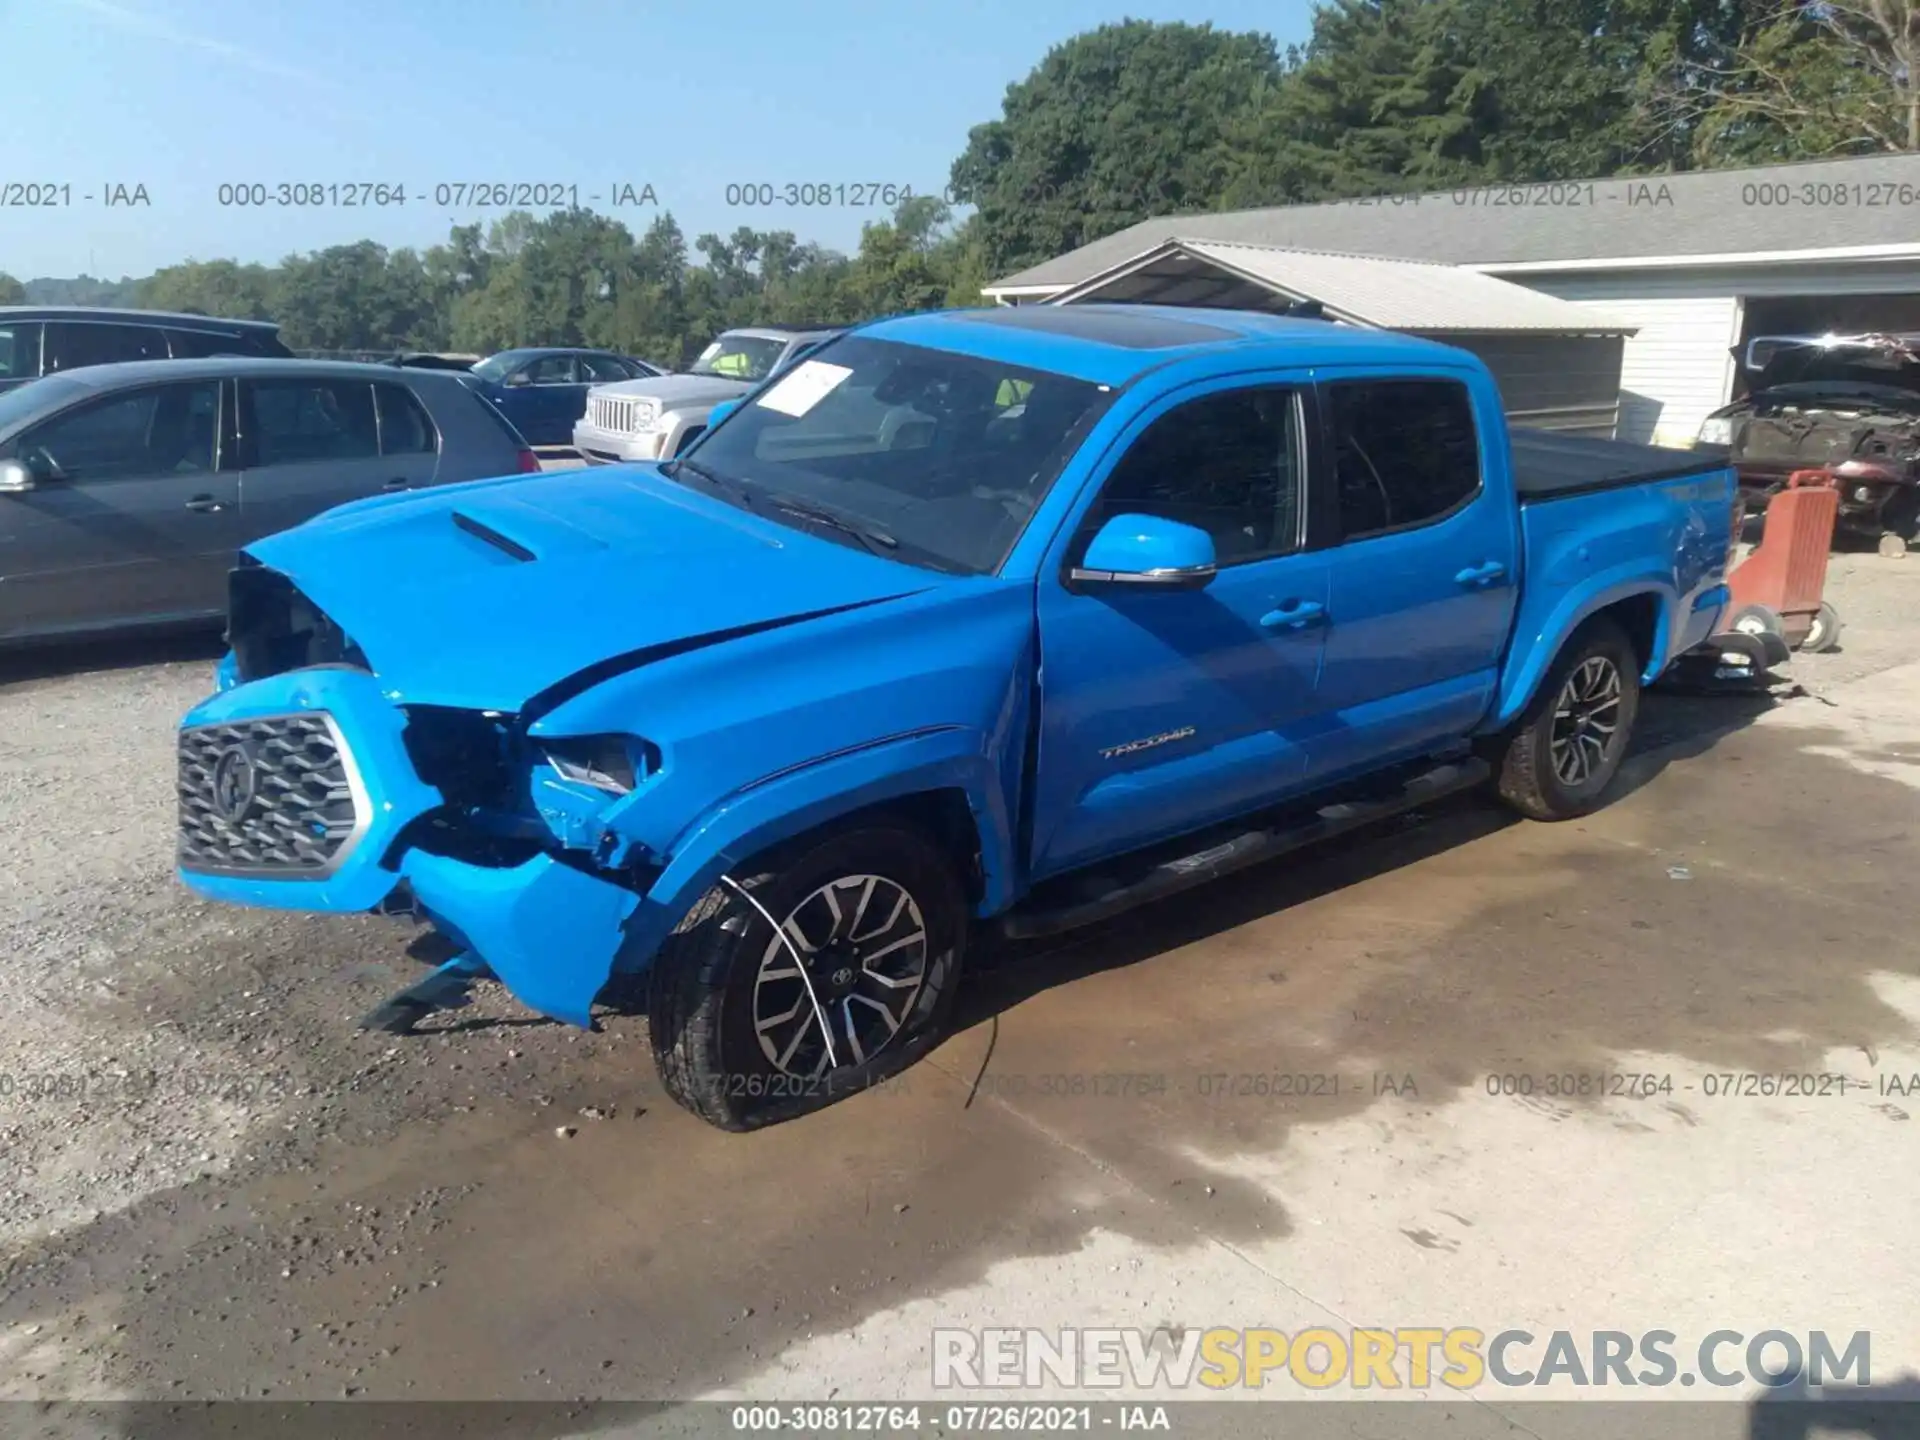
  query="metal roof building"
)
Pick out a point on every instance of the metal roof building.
point(1558, 364)
point(1692, 264)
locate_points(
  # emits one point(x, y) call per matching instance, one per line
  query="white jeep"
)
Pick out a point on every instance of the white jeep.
point(656, 417)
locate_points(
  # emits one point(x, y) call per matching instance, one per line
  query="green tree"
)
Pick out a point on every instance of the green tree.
point(1808, 78)
point(12, 292)
point(1130, 120)
point(213, 287)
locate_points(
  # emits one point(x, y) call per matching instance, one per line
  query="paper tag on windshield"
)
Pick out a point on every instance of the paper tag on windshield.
point(803, 387)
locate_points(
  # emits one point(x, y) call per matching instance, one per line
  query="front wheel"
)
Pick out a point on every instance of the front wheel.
point(1568, 744)
point(831, 966)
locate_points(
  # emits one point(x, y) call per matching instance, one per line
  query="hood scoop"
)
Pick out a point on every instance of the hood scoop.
point(521, 531)
point(484, 532)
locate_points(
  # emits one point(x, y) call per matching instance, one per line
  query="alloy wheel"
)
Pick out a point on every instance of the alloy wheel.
point(863, 943)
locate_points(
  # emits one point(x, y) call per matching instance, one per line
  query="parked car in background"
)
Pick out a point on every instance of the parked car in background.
point(1850, 403)
point(125, 490)
point(1018, 617)
point(433, 360)
point(544, 391)
point(37, 340)
point(655, 419)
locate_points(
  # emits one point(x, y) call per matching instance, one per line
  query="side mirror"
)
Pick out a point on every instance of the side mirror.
point(16, 478)
point(721, 411)
point(1147, 550)
point(518, 379)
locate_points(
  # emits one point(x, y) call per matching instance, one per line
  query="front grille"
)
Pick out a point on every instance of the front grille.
point(269, 795)
point(614, 414)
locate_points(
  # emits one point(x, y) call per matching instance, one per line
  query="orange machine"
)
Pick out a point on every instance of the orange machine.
point(1778, 588)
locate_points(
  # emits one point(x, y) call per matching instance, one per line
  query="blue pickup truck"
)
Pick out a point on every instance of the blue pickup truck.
point(983, 620)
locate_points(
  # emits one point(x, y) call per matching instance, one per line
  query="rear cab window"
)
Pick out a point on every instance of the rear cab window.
point(1406, 453)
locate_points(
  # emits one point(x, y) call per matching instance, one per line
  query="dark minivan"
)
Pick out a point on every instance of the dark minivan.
point(38, 340)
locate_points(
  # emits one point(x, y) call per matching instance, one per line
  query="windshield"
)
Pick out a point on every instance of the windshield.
point(932, 458)
point(739, 357)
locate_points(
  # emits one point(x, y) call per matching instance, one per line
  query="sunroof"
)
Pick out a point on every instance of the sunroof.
point(1108, 327)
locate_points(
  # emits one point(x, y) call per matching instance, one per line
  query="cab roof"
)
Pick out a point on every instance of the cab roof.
point(1112, 344)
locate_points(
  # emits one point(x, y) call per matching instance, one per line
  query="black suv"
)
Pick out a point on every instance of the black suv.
point(38, 340)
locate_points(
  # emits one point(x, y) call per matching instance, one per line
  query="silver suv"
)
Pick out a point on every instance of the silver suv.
point(657, 417)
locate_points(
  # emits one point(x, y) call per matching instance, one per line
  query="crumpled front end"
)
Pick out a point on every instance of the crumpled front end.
point(312, 789)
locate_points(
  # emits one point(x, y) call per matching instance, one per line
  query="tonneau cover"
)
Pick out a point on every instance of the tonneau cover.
point(1548, 465)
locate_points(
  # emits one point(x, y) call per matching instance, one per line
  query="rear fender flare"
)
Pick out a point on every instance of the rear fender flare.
point(1543, 646)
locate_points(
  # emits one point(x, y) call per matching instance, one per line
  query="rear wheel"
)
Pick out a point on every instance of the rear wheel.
point(1568, 744)
point(833, 965)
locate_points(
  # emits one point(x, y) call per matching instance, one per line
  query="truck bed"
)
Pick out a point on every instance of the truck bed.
point(1548, 465)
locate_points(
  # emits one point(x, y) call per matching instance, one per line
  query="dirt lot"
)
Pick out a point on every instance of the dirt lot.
point(215, 1187)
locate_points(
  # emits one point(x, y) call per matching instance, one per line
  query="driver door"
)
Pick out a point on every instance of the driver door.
point(1163, 709)
point(135, 517)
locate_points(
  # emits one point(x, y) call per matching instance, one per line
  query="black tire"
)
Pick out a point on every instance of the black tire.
point(1530, 773)
point(706, 979)
point(1901, 514)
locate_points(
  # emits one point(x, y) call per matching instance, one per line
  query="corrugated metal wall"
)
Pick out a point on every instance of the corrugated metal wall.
point(1570, 383)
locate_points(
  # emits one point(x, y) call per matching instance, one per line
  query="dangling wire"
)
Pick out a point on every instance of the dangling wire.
point(819, 1013)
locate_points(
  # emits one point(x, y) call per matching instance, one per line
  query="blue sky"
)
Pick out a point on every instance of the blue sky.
point(181, 96)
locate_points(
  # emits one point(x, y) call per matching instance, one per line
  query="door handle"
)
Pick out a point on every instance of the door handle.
point(1294, 615)
point(397, 483)
point(205, 504)
point(1480, 576)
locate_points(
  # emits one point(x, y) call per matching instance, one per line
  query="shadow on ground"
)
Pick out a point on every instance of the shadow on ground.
point(53, 660)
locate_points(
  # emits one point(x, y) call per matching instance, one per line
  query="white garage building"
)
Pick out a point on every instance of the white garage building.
point(1691, 265)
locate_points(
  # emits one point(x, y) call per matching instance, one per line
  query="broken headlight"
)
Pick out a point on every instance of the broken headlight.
point(615, 763)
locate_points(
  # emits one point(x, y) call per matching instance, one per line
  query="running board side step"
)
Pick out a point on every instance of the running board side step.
point(1112, 894)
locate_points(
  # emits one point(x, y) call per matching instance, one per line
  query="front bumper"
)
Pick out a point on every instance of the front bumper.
point(550, 932)
point(614, 447)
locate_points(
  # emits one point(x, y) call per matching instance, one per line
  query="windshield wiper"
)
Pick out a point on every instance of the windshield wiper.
point(877, 541)
point(733, 489)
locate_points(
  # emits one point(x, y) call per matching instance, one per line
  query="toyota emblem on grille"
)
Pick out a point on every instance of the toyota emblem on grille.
point(236, 780)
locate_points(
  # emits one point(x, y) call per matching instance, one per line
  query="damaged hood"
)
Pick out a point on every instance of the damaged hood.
point(487, 595)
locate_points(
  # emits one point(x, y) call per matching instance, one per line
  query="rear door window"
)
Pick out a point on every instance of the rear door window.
point(605, 370)
point(552, 370)
point(1405, 453)
point(404, 426)
point(72, 344)
point(297, 421)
